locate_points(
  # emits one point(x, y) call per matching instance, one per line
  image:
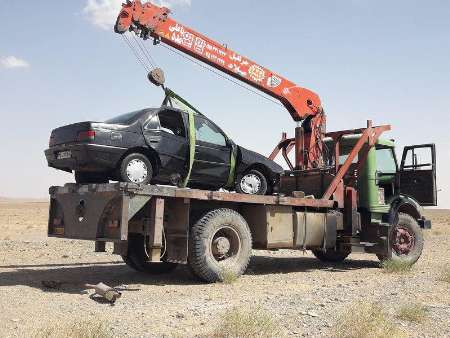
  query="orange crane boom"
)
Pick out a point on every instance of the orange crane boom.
point(148, 20)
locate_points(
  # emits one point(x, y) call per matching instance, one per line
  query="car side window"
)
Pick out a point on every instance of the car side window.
point(152, 123)
point(208, 132)
point(171, 122)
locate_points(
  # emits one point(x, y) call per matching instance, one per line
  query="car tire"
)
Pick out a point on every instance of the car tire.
point(252, 182)
point(82, 177)
point(331, 256)
point(137, 257)
point(406, 240)
point(136, 168)
point(220, 244)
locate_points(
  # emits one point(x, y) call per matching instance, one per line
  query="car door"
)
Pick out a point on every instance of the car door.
point(212, 154)
point(165, 132)
point(417, 175)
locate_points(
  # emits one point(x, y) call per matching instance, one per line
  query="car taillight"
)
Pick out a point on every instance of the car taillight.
point(87, 135)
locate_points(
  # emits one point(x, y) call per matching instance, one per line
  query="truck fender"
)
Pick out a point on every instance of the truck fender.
point(408, 205)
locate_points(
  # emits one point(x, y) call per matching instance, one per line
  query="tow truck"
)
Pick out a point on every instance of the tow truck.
point(345, 192)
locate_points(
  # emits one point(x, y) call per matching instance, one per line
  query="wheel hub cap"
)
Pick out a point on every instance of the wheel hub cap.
point(403, 241)
point(221, 246)
point(136, 171)
point(225, 244)
point(250, 184)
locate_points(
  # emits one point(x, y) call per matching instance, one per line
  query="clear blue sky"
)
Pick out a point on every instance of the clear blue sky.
point(382, 60)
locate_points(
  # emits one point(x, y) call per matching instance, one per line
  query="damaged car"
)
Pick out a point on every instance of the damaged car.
point(155, 145)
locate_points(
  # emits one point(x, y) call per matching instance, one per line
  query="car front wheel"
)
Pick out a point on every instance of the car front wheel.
point(136, 168)
point(252, 182)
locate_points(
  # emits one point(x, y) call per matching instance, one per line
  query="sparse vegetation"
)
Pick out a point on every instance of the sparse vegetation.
point(445, 274)
point(228, 277)
point(396, 266)
point(366, 321)
point(76, 329)
point(247, 324)
point(412, 312)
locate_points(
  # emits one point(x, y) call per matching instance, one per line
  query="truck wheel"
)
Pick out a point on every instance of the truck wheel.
point(406, 240)
point(137, 257)
point(90, 178)
point(331, 255)
point(136, 168)
point(220, 244)
point(252, 182)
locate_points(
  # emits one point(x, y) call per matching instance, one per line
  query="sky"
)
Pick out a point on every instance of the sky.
point(388, 61)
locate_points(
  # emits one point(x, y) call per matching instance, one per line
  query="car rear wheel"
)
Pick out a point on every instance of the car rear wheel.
point(90, 177)
point(252, 182)
point(136, 168)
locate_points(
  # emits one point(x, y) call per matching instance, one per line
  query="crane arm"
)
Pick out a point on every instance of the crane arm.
point(153, 21)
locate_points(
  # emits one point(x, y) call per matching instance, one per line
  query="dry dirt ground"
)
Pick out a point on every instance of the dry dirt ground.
point(305, 297)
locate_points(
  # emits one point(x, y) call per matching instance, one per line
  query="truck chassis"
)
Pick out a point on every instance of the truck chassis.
point(154, 228)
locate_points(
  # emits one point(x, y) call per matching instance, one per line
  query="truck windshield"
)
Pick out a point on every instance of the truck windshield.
point(127, 119)
point(386, 161)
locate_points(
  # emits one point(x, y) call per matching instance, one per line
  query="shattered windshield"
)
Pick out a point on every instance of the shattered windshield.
point(127, 119)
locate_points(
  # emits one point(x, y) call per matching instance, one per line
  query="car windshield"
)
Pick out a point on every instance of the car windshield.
point(127, 119)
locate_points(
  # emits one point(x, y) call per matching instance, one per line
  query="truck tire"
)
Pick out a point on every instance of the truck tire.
point(406, 240)
point(331, 255)
point(220, 245)
point(138, 259)
point(252, 182)
point(90, 177)
point(136, 168)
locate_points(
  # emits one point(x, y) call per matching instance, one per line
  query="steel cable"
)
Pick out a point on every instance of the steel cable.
point(221, 75)
point(136, 54)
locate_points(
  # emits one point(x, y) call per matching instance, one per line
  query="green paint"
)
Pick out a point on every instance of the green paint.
point(231, 176)
point(192, 140)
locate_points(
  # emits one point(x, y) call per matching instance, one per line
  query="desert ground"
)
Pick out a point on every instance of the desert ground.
point(298, 295)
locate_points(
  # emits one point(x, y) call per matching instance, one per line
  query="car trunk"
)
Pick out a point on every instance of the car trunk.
point(70, 133)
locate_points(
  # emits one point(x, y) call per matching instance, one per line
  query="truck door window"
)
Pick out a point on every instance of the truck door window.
point(418, 159)
point(172, 122)
point(207, 132)
point(386, 161)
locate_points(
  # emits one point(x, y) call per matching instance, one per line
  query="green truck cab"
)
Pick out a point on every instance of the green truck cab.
point(393, 192)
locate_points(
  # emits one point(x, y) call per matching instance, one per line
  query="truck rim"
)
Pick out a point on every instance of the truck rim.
point(403, 240)
point(137, 171)
point(225, 244)
point(250, 184)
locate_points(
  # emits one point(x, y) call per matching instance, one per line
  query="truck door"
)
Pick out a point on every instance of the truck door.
point(212, 154)
point(417, 176)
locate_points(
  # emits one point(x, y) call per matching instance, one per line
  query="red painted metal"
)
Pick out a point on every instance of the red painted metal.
point(402, 240)
point(153, 21)
point(368, 138)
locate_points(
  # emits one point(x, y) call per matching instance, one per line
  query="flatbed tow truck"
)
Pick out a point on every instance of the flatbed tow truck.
point(346, 191)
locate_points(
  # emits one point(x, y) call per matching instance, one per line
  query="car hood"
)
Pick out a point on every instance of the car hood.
point(249, 157)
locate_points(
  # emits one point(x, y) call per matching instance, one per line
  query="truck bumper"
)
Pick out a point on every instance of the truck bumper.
point(424, 223)
point(84, 157)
